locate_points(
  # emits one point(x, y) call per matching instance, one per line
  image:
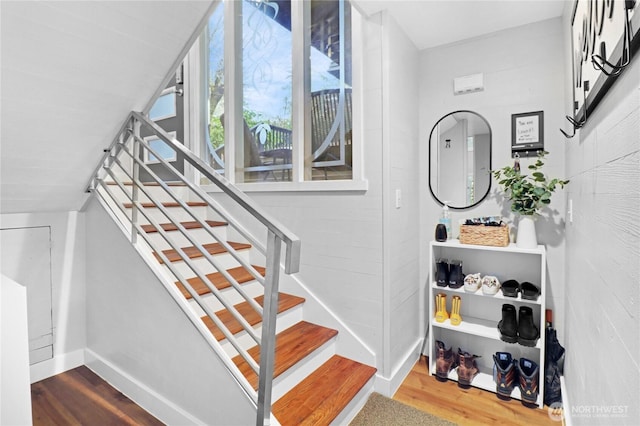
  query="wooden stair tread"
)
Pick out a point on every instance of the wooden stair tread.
point(292, 345)
point(149, 229)
point(285, 302)
point(239, 273)
point(169, 204)
point(192, 252)
point(322, 395)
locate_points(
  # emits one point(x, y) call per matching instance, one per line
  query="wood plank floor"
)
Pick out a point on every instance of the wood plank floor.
point(80, 397)
point(464, 406)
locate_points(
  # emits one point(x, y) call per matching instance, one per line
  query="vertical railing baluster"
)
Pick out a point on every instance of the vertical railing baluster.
point(268, 342)
point(134, 187)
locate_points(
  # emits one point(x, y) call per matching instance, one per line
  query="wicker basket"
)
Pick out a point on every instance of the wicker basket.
point(485, 235)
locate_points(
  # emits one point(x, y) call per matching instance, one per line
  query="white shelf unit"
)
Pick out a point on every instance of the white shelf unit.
point(478, 333)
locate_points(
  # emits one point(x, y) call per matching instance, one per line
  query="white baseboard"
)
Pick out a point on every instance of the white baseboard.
point(154, 403)
point(565, 403)
point(56, 365)
point(388, 386)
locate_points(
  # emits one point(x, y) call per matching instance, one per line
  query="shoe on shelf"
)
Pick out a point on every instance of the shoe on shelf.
point(455, 318)
point(508, 325)
point(510, 288)
point(528, 333)
point(505, 374)
point(529, 291)
point(441, 307)
point(528, 373)
point(456, 276)
point(467, 368)
point(472, 282)
point(442, 272)
point(490, 285)
point(445, 361)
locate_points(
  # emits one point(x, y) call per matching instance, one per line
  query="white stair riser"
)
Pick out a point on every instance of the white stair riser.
point(253, 289)
point(290, 378)
point(285, 320)
point(224, 261)
point(156, 192)
point(178, 214)
point(199, 234)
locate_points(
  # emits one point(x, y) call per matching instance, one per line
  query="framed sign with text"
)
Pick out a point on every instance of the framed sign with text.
point(527, 133)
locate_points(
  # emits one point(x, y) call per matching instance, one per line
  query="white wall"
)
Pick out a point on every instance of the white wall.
point(523, 71)
point(15, 393)
point(68, 286)
point(400, 233)
point(139, 340)
point(603, 251)
point(359, 253)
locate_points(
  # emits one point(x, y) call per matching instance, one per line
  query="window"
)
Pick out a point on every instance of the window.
point(279, 90)
point(165, 106)
point(161, 148)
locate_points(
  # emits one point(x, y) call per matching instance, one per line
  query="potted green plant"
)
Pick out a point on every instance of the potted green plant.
point(528, 194)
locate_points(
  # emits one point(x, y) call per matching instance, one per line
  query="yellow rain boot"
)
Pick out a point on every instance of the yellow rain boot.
point(456, 319)
point(441, 307)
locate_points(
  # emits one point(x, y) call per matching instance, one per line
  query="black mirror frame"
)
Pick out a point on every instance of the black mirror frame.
point(490, 156)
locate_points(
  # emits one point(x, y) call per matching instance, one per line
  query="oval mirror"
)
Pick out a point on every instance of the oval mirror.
point(460, 159)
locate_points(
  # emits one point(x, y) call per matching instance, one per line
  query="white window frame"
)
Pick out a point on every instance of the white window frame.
point(148, 140)
point(167, 91)
point(300, 113)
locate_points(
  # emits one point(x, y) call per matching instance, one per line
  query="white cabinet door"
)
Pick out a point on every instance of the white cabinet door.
point(25, 257)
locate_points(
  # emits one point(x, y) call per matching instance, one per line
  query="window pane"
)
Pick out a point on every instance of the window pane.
point(164, 107)
point(331, 78)
point(160, 148)
point(267, 87)
point(215, 89)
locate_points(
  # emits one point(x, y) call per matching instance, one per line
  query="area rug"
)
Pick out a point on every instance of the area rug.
point(383, 411)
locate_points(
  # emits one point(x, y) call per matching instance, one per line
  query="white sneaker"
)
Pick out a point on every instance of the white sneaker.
point(472, 283)
point(490, 285)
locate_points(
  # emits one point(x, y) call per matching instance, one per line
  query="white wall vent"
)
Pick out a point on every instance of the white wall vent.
point(468, 84)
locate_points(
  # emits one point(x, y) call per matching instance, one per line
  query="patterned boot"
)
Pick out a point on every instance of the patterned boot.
point(505, 374)
point(528, 383)
point(445, 361)
point(467, 368)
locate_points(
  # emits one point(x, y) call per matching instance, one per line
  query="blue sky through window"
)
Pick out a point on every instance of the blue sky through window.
point(267, 62)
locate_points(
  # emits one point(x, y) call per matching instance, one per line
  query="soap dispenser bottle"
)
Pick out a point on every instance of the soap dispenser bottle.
point(445, 219)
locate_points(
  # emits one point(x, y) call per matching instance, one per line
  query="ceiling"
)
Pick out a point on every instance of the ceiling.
point(430, 23)
point(71, 71)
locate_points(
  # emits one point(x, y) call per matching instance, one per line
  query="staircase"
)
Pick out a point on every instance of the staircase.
point(222, 273)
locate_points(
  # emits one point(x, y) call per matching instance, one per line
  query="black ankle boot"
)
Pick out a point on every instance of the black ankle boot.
point(456, 277)
point(508, 326)
point(528, 333)
point(442, 272)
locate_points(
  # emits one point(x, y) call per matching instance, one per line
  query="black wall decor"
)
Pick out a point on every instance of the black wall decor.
point(605, 37)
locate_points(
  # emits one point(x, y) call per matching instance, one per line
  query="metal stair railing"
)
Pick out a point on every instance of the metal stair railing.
point(122, 160)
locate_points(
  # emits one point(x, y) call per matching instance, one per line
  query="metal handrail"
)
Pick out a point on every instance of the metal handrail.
point(292, 259)
point(276, 235)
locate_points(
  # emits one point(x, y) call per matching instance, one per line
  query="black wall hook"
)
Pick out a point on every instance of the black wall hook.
point(575, 123)
point(600, 63)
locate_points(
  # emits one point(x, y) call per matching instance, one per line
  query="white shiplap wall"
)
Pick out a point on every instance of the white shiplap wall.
point(523, 71)
point(400, 171)
point(347, 246)
point(71, 71)
point(602, 367)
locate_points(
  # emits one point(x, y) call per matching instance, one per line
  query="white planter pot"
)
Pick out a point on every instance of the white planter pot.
point(526, 237)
